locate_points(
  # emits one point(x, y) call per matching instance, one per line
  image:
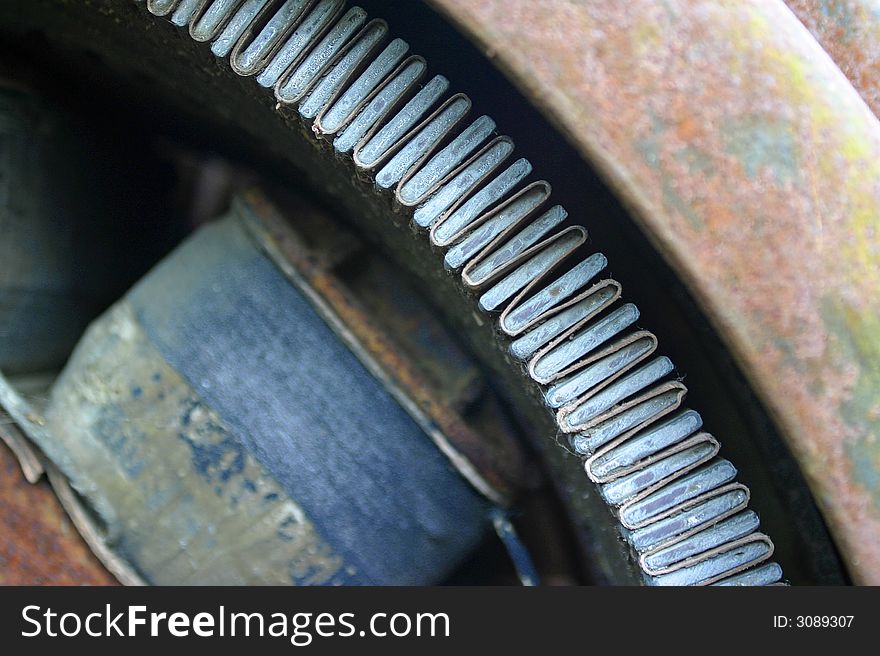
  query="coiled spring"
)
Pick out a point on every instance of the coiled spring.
point(615, 399)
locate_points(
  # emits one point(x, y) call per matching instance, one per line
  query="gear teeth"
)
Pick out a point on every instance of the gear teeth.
point(567, 353)
point(345, 66)
point(629, 420)
point(566, 318)
point(483, 269)
point(264, 35)
point(672, 489)
point(482, 232)
point(210, 19)
point(613, 396)
point(602, 369)
point(417, 148)
point(376, 145)
point(532, 264)
point(456, 194)
point(417, 186)
point(337, 114)
point(292, 84)
point(234, 24)
point(522, 314)
point(669, 559)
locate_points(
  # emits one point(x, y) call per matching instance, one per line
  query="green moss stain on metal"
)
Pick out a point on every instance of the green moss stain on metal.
point(856, 339)
point(763, 143)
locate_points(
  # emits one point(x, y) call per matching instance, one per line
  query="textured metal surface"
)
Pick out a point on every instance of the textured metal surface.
point(38, 544)
point(222, 433)
point(441, 167)
point(753, 165)
point(849, 30)
point(198, 84)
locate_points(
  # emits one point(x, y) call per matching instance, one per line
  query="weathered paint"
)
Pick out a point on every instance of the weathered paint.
point(753, 165)
point(224, 434)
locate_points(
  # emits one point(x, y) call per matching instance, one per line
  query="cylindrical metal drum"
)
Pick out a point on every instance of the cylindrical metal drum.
point(223, 434)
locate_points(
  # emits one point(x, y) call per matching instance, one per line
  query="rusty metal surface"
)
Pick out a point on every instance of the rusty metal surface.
point(38, 544)
point(361, 201)
point(754, 166)
point(849, 30)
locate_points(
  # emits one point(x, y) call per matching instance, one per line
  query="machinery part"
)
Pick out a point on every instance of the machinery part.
point(397, 338)
point(442, 169)
point(276, 137)
point(777, 162)
point(216, 398)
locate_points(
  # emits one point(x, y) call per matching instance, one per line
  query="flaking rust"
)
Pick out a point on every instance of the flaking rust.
point(753, 164)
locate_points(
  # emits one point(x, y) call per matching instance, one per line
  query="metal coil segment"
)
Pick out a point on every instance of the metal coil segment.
point(616, 401)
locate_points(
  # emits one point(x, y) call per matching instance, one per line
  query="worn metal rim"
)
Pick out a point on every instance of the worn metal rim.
point(751, 162)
